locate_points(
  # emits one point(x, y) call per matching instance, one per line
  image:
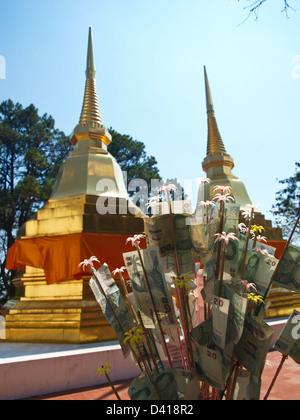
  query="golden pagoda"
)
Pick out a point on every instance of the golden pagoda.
point(89, 213)
point(218, 165)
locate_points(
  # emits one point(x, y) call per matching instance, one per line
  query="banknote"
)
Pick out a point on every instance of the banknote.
point(177, 206)
point(259, 270)
point(288, 274)
point(167, 232)
point(289, 335)
point(220, 311)
point(247, 387)
point(172, 384)
point(142, 389)
point(116, 307)
point(208, 363)
point(169, 385)
point(253, 390)
point(158, 286)
point(232, 214)
point(237, 313)
point(263, 246)
point(193, 392)
point(203, 333)
point(232, 259)
point(252, 349)
point(208, 291)
point(295, 352)
point(242, 384)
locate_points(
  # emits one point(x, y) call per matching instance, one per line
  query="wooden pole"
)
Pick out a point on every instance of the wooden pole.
point(112, 386)
point(275, 377)
point(246, 246)
point(94, 272)
point(154, 308)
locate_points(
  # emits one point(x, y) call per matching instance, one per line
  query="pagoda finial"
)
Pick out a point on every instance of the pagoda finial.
point(90, 114)
point(90, 65)
point(214, 142)
point(90, 124)
point(218, 164)
point(209, 102)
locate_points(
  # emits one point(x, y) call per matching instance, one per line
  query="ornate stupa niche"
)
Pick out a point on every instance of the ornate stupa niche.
point(89, 213)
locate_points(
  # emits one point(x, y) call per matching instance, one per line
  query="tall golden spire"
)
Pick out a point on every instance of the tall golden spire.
point(90, 114)
point(90, 124)
point(218, 163)
point(214, 142)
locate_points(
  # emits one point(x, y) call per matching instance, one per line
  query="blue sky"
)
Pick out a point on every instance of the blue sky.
point(149, 58)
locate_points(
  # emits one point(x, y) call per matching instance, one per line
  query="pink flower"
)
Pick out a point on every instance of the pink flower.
point(223, 188)
point(243, 228)
point(225, 237)
point(206, 203)
point(88, 263)
point(118, 271)
point(168, 188)
point(135, 240)
point(153, 200)
point(263, 251)
point(250, 208)
point(248, 285)
point(203, 180)
point(225, 198)
point(261, 238)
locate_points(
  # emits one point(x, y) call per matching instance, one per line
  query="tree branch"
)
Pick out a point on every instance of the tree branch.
point(255, 6)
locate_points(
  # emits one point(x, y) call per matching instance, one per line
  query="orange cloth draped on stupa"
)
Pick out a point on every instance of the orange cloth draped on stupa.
point(59, 256)
point(279, 245)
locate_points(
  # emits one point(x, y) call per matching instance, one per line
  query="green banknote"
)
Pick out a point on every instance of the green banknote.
point(252, 349)
point(115, 311)
point(157, 284)
point(288, 273)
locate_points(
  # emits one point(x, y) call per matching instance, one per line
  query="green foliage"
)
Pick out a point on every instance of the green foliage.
point(287, 205)
point(132, 157)
point(31, 152)
point(133, 160)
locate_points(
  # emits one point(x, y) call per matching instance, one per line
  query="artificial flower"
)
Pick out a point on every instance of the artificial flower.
point(134, 336)
point(248, 285)
point(223, 197)
point(225, 237)
point(257, 228)
point(249, 211)
point(153, 200)
point(118, 271)
point(243, 228)
point(261, 238)
point(223, 188)
point(183, 281)
point(253, 297)
point(168, 188)
point(103, 369)
point(88, 263)
point(135, 240)
point(206, 203)
point(203, 180)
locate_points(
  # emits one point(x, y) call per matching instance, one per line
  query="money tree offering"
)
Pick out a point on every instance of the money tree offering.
point(192, 314)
